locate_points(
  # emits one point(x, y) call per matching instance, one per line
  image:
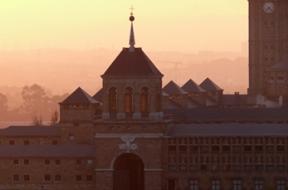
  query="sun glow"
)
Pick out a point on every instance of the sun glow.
point(186, 25)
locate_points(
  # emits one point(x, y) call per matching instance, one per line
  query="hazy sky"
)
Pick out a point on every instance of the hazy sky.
point(181, 25)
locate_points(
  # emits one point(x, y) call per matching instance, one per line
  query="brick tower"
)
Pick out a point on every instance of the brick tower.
point(268, 48)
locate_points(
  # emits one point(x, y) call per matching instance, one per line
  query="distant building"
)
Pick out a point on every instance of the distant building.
point(135, 135)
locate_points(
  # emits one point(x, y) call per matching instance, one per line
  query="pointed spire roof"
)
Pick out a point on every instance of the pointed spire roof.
point(173, 89)
point(79, 96)
point(210, 86)
point(132, 36)
point(132, 61)
point(191, 87)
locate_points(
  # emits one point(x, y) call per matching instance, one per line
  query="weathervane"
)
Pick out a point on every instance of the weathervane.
point(132, 9)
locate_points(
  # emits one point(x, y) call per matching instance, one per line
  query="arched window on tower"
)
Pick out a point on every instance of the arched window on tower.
point(128, 102)
point(112, 102)
point(144, 105)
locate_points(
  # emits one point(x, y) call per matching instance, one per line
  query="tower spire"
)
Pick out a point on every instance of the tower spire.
point(132, 37)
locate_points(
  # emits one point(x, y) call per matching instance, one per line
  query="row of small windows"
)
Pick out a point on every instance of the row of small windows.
point(227, 168)
point(27, 142)
point(48, 177)
point(229, 140)
point(236, 184)
point(227, 159)
point(279, 78)
point(227, 148)
point(48, 162)
point(26, 162)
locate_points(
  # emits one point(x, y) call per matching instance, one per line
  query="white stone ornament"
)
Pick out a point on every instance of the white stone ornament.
point(128, 144)
point(268, 7)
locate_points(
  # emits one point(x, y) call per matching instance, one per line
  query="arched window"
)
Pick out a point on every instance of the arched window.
point(128, 101)
point(144, 105)
point(112, 100)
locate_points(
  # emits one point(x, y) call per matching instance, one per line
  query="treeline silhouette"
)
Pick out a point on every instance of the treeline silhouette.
point(37, 106)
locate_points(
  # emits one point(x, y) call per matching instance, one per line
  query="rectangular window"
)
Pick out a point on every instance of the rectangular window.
point(47, 177)
point(78, 177)
point(15, 161)
point(258, 184)
point(182, 148)
point(194, 148)
point(193, 184)
point(237, 184)
point(16, 177)
point(26, 178)
point(247, 148)
point(78, 162)
point(215, 148)
point(26, 162)
point(172, 148)
point(57, 177)
point(26, 142)
point(226, 148)
point(215, 184)
point(89, 177)
point(11, 142)
point(280, 148)
point(47, 162)
point(171, 184)
point(57, 162)
point(281, 184)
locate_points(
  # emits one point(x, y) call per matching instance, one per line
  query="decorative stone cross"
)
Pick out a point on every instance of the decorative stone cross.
point(128, 144)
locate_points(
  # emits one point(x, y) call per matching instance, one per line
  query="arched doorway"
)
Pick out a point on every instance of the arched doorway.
point(128, 173)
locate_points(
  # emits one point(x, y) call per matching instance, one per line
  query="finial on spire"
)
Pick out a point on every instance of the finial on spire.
point(132, 37)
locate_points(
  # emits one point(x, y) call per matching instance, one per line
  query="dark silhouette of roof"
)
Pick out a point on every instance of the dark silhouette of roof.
point(29, 131)
point(44, 151)
point(173, 89)
point(210, 86)
point(99, 95)
point(191, 87)
point(228, 129)
point(79, 96)
point(132, 63)
point(215, 114)
point(237, 100)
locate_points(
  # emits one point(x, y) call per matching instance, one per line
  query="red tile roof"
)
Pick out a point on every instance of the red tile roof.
point(192, 87)
point(210, 86)
point(79, 96)
point(173, 89)
point(132, 63)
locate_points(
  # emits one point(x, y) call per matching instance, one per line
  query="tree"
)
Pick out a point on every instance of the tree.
point(35, 100)
point(54, 118)
point(37, 120)
point(3, 103)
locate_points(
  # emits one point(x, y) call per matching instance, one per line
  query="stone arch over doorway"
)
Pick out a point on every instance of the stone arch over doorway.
point(128, 172)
